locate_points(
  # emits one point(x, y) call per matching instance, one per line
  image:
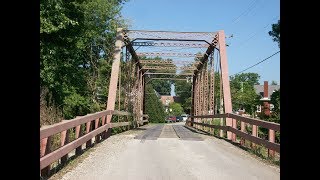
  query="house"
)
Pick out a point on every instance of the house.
point(265, 91)
point(166, 100)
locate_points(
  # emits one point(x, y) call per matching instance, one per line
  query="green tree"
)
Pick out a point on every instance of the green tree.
point(176, 109)
point(76, 48)
point(183, 91)
point(274, 83)
point(275, 100)
point(275, 33)
point(153, 106)
point(243, 94)
point(162, 86)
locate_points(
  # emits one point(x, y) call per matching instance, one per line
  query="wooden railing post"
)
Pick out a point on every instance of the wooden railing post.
point(222, 120)
point(103, 121)
point(271, 139)
point(96, 125)
point(78, 134)
point(210, 129)
point(234, 125)
point(64, 140)
point(255, 134)
point(88, 127)
point(243, 129)
point(45, 148)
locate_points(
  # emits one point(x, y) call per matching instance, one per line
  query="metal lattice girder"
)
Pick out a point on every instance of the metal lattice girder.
point(210, 50)
point(211, 93)
point(168, 62)
point(184, 74)
point(172, 54)
point(198, 94)
point(205, 89)
point(201, 92)
point(182, 79)
point(168, 68)
point(172, 44)
point(136, 34)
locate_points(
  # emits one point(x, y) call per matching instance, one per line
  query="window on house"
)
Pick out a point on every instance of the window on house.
point(261, 94)
point(258, 108)
point(271, 107)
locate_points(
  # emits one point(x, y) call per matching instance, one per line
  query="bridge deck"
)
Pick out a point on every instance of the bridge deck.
point(165, 152)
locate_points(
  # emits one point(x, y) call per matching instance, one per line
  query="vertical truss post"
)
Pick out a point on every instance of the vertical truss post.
point(225, 80)
point(114, 73)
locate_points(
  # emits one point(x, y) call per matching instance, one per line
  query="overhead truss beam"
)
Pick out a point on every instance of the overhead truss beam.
point(169, 54)
point(168, 68)
point(168, 62)
point(171, 44)
point(184, 74)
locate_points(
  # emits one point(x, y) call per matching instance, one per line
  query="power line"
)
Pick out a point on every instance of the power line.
point(256, 63)
point(252, 5)
point(255, 33)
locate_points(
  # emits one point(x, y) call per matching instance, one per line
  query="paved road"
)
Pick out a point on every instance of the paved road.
point(170, 152)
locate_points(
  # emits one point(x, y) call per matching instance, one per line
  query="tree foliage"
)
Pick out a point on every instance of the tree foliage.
point(183, 90)
point(243, 94)
point(76, 50)
point(275, 33)
point(176, 109)
point(275, 100)
point(162, 86)
point(153, 105)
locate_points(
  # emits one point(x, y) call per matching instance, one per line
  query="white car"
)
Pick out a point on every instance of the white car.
point(184, 117)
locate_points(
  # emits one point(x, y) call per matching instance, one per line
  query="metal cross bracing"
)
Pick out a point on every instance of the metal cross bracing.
point(153, 56)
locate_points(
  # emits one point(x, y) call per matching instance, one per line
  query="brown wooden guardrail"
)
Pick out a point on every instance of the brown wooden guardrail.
point(253, 137)
point(96, 129)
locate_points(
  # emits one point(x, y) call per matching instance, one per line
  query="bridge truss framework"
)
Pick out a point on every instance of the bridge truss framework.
point(135, 68)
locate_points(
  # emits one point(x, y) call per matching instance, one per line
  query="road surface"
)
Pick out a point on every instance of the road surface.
point(169, 152)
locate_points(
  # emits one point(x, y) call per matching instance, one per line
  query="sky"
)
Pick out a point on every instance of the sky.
point(248, 21)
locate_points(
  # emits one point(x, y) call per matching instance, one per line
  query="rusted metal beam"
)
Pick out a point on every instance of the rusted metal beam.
point(178, 54)
point(184, 74)
point(171, 44)
point(168, 62)
point(211, 86)
point(171, 79)
point(205, 89)
point(167, 68)
point(208, 52)
point(170, 35)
